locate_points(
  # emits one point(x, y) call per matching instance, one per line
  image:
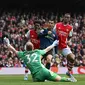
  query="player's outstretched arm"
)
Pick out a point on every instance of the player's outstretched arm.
point(55, 43)
point(7, 42)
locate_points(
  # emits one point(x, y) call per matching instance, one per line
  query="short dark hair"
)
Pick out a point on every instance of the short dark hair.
point(67, 14)
point(37, 21)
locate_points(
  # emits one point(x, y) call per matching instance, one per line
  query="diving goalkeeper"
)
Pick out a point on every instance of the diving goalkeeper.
point(32, 59)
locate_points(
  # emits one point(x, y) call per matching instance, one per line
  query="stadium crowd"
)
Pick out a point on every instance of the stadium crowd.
point(15, 24)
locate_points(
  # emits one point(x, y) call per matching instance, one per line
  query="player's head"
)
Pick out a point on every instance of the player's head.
point(51, 24)
point(66, 18)
point(29, 46)
point(37, 24)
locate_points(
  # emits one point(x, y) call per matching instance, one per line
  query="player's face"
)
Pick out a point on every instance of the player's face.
point(66, 18)
point(37, 26)
point(51, 23)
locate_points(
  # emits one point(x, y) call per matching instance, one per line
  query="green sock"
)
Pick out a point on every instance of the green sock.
point(64, 79)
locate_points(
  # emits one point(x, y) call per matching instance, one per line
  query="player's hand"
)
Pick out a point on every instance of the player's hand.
point(6, 41)
point(49, 32)
point(55, 43)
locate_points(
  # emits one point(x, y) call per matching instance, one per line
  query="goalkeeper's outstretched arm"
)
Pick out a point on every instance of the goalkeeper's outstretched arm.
point(55, 43)
point(7, 42)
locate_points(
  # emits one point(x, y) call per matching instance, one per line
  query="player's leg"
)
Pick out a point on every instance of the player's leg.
point(48, 59)
point(26, 74)
point(38, 76)
point(70, 64)
point(70, 61)
point(45, 74)
point(55, 77)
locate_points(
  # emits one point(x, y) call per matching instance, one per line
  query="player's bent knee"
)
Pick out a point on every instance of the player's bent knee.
point(58, 78)
point(71, 57)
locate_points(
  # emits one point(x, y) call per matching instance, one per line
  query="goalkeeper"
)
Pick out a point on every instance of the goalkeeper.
point(32, 59)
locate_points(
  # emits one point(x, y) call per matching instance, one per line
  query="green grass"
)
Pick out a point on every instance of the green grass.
point(18, 80)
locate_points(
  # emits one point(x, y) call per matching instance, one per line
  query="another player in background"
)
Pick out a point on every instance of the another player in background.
point(47, 37)
point(32, 35)
point(32, 59)
point(64, 32)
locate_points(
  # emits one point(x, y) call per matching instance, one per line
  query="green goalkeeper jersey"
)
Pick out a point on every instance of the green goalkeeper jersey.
point(32, 59)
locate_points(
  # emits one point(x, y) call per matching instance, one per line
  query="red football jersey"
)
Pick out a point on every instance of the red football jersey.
point(34, 39)
point(63, 33)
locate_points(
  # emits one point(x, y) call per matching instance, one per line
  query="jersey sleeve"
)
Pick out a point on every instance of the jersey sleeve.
point(71, 32)
point(27, 34)
point(20, 54)
point(42, 52)
point(54, 29)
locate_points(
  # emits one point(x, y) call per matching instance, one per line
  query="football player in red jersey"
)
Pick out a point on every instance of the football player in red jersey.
point(64, 32)
point(32, 35)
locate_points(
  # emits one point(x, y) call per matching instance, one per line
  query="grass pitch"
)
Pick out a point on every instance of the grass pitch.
point(19, 80)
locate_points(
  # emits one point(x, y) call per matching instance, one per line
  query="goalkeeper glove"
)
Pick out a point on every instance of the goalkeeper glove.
point(55, 43)
point(6, 41)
